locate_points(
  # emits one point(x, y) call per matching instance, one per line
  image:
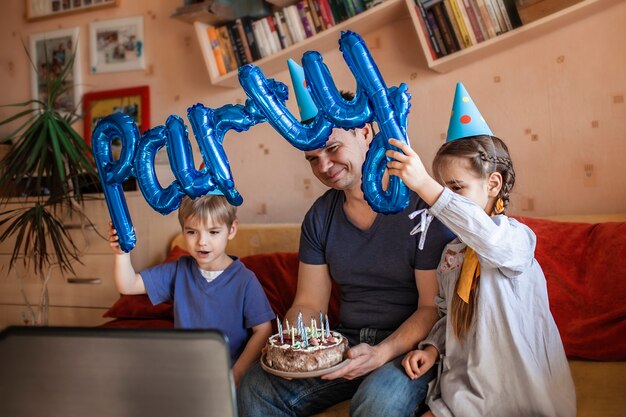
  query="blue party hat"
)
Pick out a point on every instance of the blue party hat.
point(215, 191)
point(465, 119)
point(307, 108)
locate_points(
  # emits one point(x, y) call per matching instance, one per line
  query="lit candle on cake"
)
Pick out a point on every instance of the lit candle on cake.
point(327, 327)
point(321, 324)
point(287, 326)
point(293, 336)
point(280, 330)
point(306, 337)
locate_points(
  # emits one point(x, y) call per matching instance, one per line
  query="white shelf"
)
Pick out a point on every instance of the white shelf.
point(390, 12)
point(509, 39)
point(383, 14)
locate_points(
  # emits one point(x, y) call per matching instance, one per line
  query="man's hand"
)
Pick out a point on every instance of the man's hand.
point(362, 359)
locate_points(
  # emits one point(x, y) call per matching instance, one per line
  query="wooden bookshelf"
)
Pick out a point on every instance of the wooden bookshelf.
point(539, 24)
point(392, 11)
point(383, 14)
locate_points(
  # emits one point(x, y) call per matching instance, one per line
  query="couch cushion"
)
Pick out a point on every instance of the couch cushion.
point(277, 273)
point(585, 269)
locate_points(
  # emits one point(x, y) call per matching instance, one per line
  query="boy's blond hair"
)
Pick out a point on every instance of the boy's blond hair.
point(214, 207)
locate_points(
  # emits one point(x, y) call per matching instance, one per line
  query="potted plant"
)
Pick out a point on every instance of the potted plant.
point(49, 164)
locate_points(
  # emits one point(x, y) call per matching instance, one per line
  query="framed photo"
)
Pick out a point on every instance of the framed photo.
point(134, 102)
point(50, 52)
point(44, 9)
point(116, 45)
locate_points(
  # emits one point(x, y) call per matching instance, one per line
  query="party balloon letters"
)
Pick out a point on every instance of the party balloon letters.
point(373, 101)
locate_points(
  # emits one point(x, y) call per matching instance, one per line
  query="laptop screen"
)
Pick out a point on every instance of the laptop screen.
point(67, 372)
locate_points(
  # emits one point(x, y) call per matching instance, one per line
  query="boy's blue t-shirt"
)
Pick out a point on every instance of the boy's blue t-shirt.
point(375, 268)
point(233, 303)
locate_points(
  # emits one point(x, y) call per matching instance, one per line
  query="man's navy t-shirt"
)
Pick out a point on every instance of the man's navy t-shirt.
point(375, 269)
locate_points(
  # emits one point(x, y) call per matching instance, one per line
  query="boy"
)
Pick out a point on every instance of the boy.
point(209, 288)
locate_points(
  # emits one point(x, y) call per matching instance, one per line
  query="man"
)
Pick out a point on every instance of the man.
point(380, 271)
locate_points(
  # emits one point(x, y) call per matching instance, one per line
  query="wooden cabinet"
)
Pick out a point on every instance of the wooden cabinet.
point(543, 19)
point(80, 299)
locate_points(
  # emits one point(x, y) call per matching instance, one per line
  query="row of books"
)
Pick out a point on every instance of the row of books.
point(246, 40)
point(452, 25)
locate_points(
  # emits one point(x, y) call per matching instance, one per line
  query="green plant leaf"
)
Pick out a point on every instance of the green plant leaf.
point(51, 156)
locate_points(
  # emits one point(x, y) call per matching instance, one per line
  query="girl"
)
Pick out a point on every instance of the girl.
point(501, 352)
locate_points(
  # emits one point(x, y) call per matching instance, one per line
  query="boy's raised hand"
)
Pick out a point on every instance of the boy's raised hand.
point(114, 240)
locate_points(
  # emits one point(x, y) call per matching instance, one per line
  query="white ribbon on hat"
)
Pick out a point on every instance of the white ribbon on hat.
point(422, 227)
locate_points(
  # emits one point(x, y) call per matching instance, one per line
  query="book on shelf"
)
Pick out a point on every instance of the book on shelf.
point(466, 21)
point(244, 40)
point(432, 22)
point(433, 47)
point(359, 6)
point(445, 28)
point(479, 17)
point(294, 22)
point(496, 7)
point(457, 17)
point(493, 17)
point(314, 8)
point(512, 13)
point(339, 10)
point(274, 33)
point(237, 43)
point(430, 36)
point(485, 18)
point(305, 17)
point(268, 36)
point(350, 9)
point(217, 50)
point(371, 3)
point(261, 39)
point(454, 24)
point(230, 61)
point(326, 13)
point(283, 30)
point(252, 41)
point(473, 20)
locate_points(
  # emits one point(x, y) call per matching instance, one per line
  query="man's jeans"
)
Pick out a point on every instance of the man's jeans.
point(387, 391)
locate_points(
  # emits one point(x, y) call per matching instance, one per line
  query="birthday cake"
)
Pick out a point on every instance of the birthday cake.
point(315, 351)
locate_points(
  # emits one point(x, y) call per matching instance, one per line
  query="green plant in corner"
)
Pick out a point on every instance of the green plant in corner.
point(48, 164)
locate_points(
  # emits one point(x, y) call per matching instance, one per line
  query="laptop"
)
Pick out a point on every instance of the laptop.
point(98, 372)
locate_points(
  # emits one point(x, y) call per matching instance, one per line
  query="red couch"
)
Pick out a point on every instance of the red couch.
point(585, 268)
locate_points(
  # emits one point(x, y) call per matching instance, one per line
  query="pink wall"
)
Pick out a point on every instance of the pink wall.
point(557, 100)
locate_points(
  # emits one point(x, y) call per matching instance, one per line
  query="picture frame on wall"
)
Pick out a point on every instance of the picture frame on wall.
point(116, 45)
point(45, 9)
point(133, 101)
point(50, 52)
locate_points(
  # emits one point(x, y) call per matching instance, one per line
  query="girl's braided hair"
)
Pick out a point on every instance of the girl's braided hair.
point(486, 154)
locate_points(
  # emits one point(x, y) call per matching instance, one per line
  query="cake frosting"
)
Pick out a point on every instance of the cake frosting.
point(317, 350)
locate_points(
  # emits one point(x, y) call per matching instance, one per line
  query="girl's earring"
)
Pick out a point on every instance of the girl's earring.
point(499, 208)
